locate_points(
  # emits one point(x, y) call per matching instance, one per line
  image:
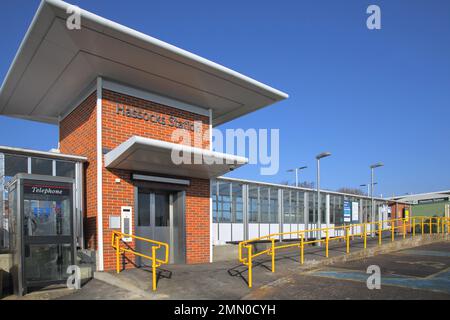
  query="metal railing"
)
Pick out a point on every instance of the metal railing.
point(438, 225)
point(116, 241)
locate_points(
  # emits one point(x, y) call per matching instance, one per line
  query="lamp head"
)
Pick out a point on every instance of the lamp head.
point(376, 165)
point(323, 155)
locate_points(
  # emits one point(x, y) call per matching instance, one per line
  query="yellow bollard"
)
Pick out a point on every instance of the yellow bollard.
point(380, 233)
point(117, 255)
point(326, 243)
point(347, 229)
point(273, 255)
point(422, 223)
point(431, 225)
point(154, 268)
point(438, 226)
point(301, 249)
point(249, 265)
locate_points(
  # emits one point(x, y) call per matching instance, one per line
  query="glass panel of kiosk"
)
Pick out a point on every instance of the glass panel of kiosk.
point(42, 237)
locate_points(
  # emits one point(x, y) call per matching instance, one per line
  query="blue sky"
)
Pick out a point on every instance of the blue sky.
point(364, 95)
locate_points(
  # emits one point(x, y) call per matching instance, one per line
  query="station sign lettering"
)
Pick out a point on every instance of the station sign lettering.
point(155, 118)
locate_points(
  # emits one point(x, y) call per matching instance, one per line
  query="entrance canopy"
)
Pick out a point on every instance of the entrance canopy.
point(54, 67)
point(156, 156)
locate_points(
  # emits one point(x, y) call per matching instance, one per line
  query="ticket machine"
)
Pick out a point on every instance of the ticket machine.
point(42, 230)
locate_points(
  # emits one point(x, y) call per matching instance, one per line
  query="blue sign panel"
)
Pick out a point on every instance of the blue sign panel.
point(347, 211)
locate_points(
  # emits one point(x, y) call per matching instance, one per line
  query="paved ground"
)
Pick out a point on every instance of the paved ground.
point(418, 273)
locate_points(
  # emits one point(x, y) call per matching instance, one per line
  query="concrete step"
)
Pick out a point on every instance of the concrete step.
point(114, 280)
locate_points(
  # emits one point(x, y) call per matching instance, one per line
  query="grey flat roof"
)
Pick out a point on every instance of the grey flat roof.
point(44, 154)
point(54, 65)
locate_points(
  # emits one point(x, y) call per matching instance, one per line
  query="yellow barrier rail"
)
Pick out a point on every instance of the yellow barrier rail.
point(438, 225)
point(116, 241)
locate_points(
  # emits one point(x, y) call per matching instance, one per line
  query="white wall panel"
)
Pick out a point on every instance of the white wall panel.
point(238, 232)
point(275, 228)
point(286, 228)
point(264, 229)
point(224, 232)
point(215, 228)
point(253, 230)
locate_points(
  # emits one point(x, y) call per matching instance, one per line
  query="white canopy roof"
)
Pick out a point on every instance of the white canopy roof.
point(156, 156)
point(55, 65)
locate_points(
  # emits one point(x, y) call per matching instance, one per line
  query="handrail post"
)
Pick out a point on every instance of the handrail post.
point(422, 224)
point(117, 255)
point(365, 235)
point(154, 267)
point(347, 230)
point(380, 233)
point(273, 255)
point(414, 226)
point(404, 228)
point(326, 243)
point(431, 225)
point(302, 248)
point(438, 225)
point(392, 230)
point(249, 248)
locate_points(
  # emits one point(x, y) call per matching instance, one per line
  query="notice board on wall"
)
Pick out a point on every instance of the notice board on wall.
point(355, 211)
point(347, 211)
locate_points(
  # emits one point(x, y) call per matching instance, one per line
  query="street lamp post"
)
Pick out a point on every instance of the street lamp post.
point(373, 166)
point(319, 213)
point(368, 187)
point(296, 170)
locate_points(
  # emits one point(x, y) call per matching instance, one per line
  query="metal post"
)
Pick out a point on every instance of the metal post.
point(431, 225)
point(422, 224)
point(404, 228)
point(365, 235)
point(319, 213)
point(372, 213)
point(273, 255)
point(392, 229)
point(326, 243)
point(380, 233)
point(414, 226)
point(117, 255)
point(347, 229)
point(302, 246)
point(154, 268)
point(249, 257)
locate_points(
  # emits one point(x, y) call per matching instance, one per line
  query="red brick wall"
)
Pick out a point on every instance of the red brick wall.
point(397, 213)
point(78, 136)
point(117, 128)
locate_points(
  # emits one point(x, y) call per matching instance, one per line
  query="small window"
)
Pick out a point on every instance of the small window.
point(143, 210)
point(15, 165)
point(65, 169)
point(42, 166)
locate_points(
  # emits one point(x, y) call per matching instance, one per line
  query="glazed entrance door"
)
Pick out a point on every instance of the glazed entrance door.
point(158, 218)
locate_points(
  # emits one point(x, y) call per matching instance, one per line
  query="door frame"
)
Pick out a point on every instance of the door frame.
point(172, 190)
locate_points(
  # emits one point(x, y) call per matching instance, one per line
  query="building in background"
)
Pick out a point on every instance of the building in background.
point(428, 204)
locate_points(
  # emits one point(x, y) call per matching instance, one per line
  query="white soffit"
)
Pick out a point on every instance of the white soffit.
point(54, 65)
point(141, 154)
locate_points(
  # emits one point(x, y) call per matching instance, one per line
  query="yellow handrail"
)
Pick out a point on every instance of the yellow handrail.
point(345, 232)
point(116, 240)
